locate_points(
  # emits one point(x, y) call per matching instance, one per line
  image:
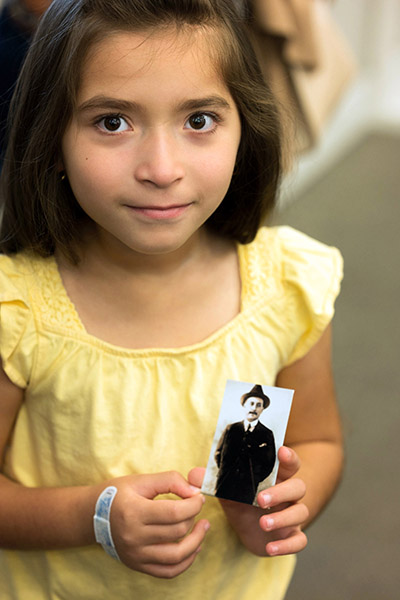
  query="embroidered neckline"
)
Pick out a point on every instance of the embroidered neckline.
point(50, 297)
point(57, 311)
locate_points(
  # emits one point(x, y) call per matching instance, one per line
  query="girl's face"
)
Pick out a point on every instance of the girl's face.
point(150, 150)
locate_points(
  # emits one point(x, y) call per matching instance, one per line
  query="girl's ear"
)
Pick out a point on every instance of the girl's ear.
point(60, 165)
point(61, 169)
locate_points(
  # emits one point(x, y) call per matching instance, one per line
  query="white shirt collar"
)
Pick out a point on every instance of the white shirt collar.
point(252, 424)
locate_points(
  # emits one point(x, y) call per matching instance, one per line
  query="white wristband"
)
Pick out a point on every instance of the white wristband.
point(101, 521)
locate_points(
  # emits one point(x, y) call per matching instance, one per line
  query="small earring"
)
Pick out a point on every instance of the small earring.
point(62, 176)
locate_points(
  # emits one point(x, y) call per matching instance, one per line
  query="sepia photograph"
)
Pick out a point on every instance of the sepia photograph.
point(250, 430)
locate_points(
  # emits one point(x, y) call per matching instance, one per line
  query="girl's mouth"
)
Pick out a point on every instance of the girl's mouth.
point(160, 213)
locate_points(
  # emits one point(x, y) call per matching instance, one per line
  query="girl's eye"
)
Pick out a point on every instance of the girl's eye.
point(113, 124)
point(201, 122)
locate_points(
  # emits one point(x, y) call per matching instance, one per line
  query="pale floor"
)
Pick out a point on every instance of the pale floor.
point(354, 549)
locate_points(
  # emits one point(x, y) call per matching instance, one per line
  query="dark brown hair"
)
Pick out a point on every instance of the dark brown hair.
point(40, 211)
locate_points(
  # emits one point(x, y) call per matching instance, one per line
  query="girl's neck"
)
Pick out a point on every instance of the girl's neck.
point(109, 255)
point(158, 301)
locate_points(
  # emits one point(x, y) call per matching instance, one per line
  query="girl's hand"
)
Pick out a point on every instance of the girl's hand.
point(277, 531)
point(157, 536)
point(286, 513)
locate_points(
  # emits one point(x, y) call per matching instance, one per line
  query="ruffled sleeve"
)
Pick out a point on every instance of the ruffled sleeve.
point(311, 273)
point(17, 331)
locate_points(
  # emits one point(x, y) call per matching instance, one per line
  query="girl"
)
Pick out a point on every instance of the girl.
point(143, 157)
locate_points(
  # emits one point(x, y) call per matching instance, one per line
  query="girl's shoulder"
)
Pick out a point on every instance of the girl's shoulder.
point(36, 282)
point(285, 244)
point(23, 272)
point(296, 279)
point(14, 270)
point(17, 323)
point(285, 256)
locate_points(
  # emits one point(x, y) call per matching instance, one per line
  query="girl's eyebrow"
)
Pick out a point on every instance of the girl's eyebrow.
point(207, 102)
point(108, 103)
point(104, 102)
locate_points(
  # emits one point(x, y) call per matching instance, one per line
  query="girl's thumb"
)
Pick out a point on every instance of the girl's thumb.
point(196, 476)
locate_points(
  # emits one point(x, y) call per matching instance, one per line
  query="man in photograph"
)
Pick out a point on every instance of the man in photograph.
point(246, 452)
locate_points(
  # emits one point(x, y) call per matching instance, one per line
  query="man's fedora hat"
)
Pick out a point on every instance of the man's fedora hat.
point(256, 392)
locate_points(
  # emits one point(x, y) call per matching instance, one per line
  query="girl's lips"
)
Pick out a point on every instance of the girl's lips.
point(160, 213)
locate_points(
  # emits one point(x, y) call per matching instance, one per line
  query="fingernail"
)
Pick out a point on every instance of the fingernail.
point(272, 550)
point(265, 501)
point(207, 526)
point(195, 489)
point(269, 523)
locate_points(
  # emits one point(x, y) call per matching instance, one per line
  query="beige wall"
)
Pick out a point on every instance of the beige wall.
point(371, 103)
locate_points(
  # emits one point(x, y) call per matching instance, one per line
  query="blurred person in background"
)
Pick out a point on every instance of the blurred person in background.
point(18, 22)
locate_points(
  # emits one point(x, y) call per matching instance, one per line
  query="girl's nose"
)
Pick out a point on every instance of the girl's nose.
point(159, 160)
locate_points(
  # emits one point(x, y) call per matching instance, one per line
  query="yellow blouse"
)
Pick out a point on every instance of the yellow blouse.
point(93, 411)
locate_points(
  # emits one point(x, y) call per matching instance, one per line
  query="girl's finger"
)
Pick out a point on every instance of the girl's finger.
point(161, 534)
point(167, 512)
point(196, 476)
point(294, 515)
point(179, 552)
point(296, 542)
point(168, 482)
point(289, 463)
point(168, 571)
point(291, 491)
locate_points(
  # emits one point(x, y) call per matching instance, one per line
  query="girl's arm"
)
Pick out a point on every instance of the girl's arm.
point(310, 466)
point(31, 517)
point(155, 537)
point(314, 429)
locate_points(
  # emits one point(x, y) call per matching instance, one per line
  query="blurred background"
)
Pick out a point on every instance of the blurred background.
point(346, 192)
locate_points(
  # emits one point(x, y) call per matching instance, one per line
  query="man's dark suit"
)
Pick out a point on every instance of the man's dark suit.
point(244, 459)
